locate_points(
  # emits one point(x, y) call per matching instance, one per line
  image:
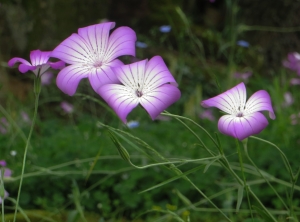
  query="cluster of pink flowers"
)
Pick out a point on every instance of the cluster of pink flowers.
point(93, 53)
point(293, 63)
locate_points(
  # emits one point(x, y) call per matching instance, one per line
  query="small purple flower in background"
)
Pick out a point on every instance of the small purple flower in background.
point(133, 124)
point(141, 45)
point(3, 125)
point(243, 76)
point(67, 107)
point(165, 28)
point(293, 62)
point(243, 119)
point(91, 54)
point(7, 173)
point(207, 114)
point(25, 117)
point(243, 43)
point(39, 63)
point(295, 81)
point(288, 99)
point(148, 83)
point(212, 1)
point(46, 78)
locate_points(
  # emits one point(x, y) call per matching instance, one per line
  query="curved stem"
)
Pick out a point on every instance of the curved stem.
point(36, 104)
point(285, 160)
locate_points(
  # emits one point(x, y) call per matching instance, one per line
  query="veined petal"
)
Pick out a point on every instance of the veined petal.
point(13, 61)
point(231, 101)
point(120, 98)
point(24, 68)
point(97, 37)
point(157, 74)
point(132, 75)
point(69, 77)
point(260, 101)
point(104, 75)
point(242, 127)
point(159, 99)
point(121, 42)
point(37, 57)
point(74, 50)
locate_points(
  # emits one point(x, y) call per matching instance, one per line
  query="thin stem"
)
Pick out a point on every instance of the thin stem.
point(2, 197)
point(243, 174)
point(261, 204)
point(285, 160)
point(267, 181)
point(36, 104)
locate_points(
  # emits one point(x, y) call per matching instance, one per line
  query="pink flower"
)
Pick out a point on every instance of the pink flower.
point(67, 107)
point(148, 83)
point(207, 114)
point(243, 76)
point(39, 63)
point(293, 62)
point(243, 118)
point(92, 53)
point(295, 81)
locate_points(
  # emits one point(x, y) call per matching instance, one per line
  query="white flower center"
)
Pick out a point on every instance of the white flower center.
point(97, 64)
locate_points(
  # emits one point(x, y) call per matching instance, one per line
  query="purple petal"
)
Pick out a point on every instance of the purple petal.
point(7, 172)
point(2, 163)
point(260, 101)
point(131, 75)
point(121, 42)
point(120, 98)
point(57, 65)
point(230, 101)
point(159, 99)
point(38, 57)
point(157, 73)
point(13, 61)
point(104, 75)
point(242, 127)
point(97, 37)
point(25, 68)
point(74, 50)
point(69, 77)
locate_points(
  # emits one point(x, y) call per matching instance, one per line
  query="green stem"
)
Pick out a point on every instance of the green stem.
point(285, 160)
point(267, 181)
point(242, 169)
point(37, 89)
point(2, 197)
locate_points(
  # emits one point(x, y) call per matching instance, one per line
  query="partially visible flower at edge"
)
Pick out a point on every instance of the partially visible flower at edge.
point(67, 107)
point(7, 173)
point(148, 83)
point(243, 118)
point(3, 126)
point(39, 63)
point(295, 81)
point(91, 54)
point(165, 28)
point(293, 62)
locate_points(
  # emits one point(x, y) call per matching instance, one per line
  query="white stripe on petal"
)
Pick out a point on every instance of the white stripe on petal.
point(69, 77)
point(260, 101)
point(120, 98)
point(232, 101)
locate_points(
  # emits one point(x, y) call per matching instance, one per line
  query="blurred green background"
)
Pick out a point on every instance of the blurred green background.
point(201, 52)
